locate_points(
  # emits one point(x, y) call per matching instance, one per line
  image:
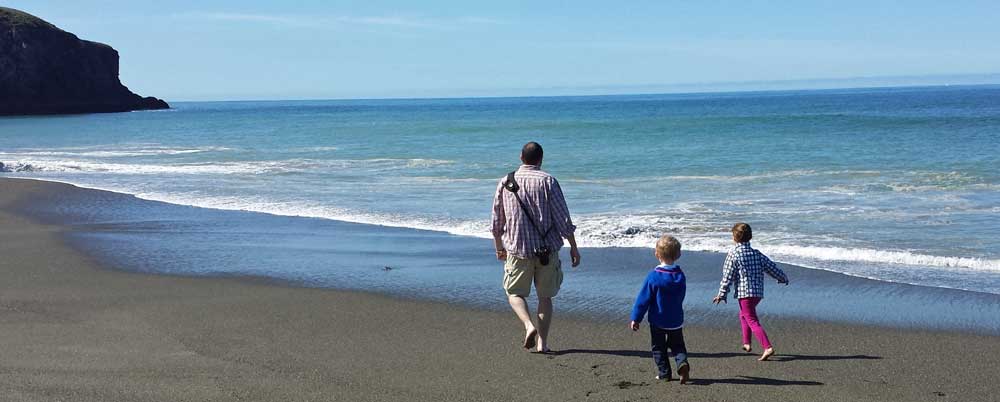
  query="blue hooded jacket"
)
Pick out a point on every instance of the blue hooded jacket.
point(662, 297)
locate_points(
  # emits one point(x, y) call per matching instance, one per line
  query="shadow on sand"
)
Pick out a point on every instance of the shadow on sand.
point(747, 380)
point(723, 355)
point(739, 380)
point(788, 358)
point(623, 353)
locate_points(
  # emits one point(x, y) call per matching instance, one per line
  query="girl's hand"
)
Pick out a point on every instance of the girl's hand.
point(718, 299)
point(633, 326)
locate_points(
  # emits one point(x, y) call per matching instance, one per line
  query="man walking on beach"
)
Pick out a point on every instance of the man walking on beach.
point(530, 219)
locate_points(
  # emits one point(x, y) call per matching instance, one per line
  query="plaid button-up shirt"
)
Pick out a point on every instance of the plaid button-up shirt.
point(543, 197)
point(744, 269)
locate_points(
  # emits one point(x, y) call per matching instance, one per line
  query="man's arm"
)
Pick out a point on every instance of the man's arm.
point(560, 212)
point(574, 253)
point(498, 222)
point(563, 221)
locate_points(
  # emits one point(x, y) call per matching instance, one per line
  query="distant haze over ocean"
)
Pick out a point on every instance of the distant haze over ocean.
point(650, 88)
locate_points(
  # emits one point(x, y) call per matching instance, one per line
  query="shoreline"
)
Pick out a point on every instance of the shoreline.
point(72, 328)
point(971, 266)
point(430, 229)
point(170, 239)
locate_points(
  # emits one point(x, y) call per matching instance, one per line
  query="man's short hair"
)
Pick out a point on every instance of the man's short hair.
point(668, 247)
point(742, 232)
point(531, 153)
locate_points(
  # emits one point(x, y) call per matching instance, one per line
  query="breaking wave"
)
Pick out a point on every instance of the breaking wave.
point(109, 153)
point(607, 231)
point(221, 168)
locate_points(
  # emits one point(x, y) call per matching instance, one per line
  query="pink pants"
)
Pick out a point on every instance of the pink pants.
point(749, 322)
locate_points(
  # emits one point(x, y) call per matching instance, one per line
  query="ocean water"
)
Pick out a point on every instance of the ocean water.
point(899, 185)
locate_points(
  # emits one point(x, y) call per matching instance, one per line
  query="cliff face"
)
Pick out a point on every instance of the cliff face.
point(45, 70)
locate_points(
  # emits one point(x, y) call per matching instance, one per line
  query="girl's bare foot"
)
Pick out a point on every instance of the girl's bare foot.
point(746, 348)
point(767, 354)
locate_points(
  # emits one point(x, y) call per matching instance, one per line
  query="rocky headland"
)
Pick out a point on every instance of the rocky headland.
point(45, 70)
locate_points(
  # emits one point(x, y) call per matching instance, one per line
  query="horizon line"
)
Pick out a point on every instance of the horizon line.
point(986, 79)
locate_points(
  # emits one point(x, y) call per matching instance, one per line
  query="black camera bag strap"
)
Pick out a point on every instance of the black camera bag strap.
point(513, 187)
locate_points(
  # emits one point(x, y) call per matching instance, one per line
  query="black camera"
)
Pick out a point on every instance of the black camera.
point(543, 254)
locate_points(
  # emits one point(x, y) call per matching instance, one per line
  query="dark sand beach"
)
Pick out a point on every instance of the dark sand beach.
point(75, 330)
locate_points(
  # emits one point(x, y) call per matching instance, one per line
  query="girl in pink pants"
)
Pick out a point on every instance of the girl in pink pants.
point(749, 323)
point(744, 270)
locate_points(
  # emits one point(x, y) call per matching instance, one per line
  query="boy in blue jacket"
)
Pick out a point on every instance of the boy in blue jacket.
point(662, 297)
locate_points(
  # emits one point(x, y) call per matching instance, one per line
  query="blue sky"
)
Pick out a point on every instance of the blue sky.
point(252, 49)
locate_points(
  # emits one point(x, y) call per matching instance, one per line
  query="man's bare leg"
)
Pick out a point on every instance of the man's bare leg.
point(520, 307)
point(544, 322)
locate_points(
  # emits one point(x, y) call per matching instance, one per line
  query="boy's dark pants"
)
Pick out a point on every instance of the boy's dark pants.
point(663, 340)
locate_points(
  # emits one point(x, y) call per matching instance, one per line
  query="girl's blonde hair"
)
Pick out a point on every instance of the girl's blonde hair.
point(742, 232)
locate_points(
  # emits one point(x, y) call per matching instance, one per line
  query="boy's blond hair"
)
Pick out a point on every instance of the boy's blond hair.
point(668, 247)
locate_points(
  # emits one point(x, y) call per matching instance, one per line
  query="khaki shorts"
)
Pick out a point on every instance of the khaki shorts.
point(519, 273)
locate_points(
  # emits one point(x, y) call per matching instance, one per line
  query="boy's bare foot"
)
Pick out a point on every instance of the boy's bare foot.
point(683, 371)
point(530, 338)
point(767, 354)
point(746, 348)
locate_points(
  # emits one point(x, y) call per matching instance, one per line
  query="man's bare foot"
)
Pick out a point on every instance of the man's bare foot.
point(746, 348)
point(767, 354)
point(530, 338)
point(683, 371)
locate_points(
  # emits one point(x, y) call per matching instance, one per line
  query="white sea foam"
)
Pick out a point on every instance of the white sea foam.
point(883, 257)
point(90, 152)
point(642, 231)
point(46, 164)
point(410, 163)
point(309, 210)
point(448, 180)
point(702, 226)
point(83, 166)
point(729, 178)
point(316, 149)
point(608, 231)
point(847, 182)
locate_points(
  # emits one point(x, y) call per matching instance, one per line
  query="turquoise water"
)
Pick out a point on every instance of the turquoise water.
point(900, 185)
